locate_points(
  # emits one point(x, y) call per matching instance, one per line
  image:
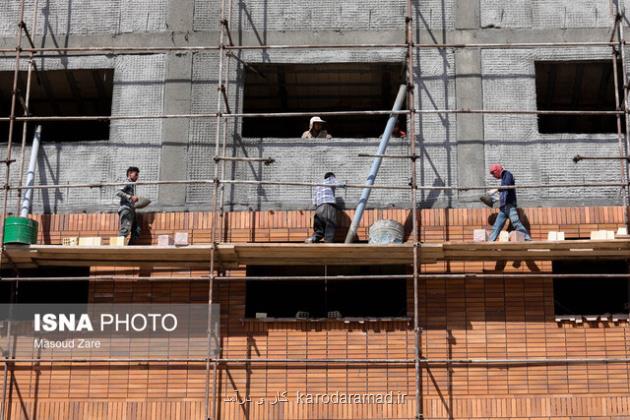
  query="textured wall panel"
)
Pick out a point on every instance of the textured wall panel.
point(509, 83)
point(138, 87)
point(436, 134)
point(56, 17)
point(369, 15)
point(548, 13)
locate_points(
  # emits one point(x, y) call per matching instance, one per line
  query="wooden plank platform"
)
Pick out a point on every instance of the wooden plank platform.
point(232, 255)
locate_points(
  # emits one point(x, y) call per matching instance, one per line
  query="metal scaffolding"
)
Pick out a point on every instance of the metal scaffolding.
point(225, 114)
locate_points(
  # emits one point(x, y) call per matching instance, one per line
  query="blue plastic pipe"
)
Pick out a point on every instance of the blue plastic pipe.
point(376, 164)
point(30, 174)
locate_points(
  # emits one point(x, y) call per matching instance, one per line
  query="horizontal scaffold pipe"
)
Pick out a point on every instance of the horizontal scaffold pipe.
point(425, 361)
point(306, 114)
point(119, 50)
point(314, 184)
point(456, 276)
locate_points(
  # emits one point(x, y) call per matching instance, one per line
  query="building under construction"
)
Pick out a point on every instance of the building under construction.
point(209, 98)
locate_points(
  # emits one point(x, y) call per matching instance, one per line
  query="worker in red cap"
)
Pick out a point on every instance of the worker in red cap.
point(507, 203)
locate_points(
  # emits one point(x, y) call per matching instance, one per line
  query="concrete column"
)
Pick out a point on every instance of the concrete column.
point(467, 14)
point(177, 100)
point(470, 144)
point(180, 15)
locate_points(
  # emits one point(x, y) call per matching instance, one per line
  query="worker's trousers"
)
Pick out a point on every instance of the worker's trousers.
point(325, 223)
point(512, 214)
point(128, 223)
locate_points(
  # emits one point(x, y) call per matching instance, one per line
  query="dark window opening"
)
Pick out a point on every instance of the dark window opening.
point(590, 296)
point(577, 86)
point(321, 87)
point(60, 93)
point(46, 291)
point(378, 298)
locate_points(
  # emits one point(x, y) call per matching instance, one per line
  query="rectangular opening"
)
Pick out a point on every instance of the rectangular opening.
point(321, 87)
point(379, 298)
point(46, 291)
point(577, 86)
point(590, 296)
point(83, 92)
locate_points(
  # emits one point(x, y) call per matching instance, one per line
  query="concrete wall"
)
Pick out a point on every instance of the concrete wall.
point(455, 149)
point(60, 17)
point(535, 158)
point(554, 14)
point(138, 90)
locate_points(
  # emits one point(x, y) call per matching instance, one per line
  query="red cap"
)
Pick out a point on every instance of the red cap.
point(496, 170)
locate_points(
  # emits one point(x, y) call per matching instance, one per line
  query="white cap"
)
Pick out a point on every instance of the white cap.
point(314, 120)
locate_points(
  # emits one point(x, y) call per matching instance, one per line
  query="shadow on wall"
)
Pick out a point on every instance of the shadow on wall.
point(432, 93)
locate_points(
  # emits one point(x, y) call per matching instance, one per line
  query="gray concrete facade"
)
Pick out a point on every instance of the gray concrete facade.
point(455, 150)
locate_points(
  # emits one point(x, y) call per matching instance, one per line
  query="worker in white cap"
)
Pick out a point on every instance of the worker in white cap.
point(315, 130)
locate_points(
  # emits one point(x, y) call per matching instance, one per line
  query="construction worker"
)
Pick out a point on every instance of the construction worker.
point(325, 219)
point(507, 203)
point(315, 130)
point(398, 132)
point(127, 209)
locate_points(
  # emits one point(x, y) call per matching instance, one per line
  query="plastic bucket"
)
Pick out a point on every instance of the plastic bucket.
point(386, 232)
point(20, 230)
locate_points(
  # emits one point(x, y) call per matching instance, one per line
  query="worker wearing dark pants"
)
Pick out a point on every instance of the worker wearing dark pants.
point(325, 223)
point(129, 224)
point(507, 203)
point(325, 219)
point(127, 211)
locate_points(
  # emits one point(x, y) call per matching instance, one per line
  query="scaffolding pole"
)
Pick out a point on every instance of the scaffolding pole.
point(27, 113)
point(225, 159)
point(411, 105)
point(624, 151)
point(211, 404)
point(5, 191)
point(615, 56)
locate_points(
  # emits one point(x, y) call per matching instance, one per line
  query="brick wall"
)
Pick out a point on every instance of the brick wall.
point(494, 318)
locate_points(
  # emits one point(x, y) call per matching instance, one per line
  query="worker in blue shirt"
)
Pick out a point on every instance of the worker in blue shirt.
point(507, 203)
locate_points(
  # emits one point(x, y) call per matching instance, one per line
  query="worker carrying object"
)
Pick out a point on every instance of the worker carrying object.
point(316, 130)
point(325, 218)
point(507, 203)
point(127, 209)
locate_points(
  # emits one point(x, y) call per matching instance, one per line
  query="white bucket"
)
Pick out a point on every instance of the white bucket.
point(386, 232)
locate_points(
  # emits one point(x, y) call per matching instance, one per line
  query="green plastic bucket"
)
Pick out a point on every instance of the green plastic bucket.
point(20, 230)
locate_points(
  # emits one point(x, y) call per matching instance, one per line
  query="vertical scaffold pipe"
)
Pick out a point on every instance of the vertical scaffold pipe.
point(376, 163)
